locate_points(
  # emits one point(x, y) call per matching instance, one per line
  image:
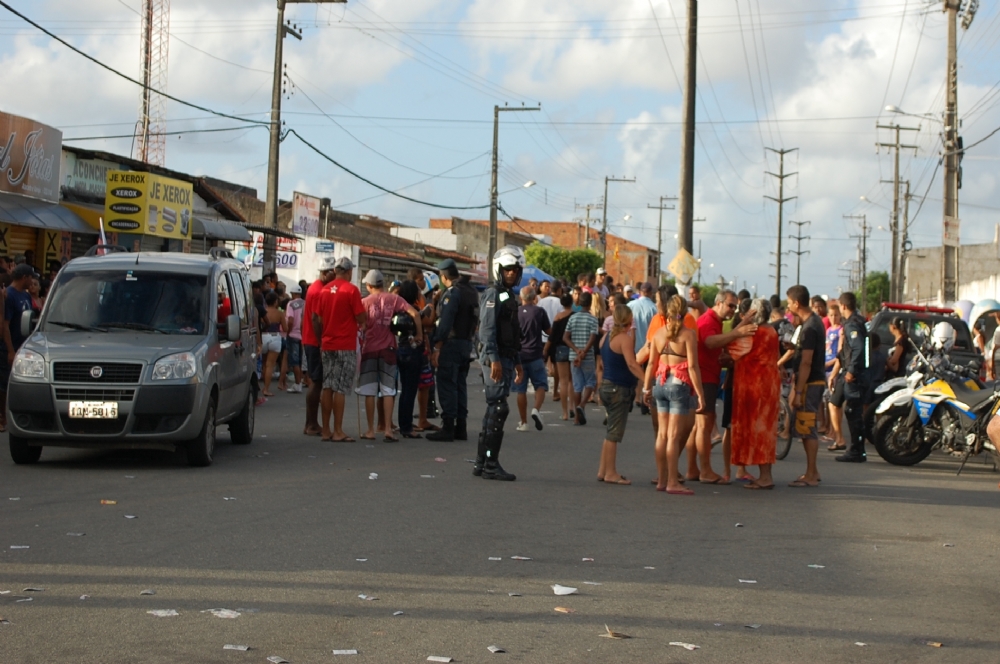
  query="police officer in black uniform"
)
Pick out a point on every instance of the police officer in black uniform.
point(854, 359)
point(451, 351)
point(500, 335)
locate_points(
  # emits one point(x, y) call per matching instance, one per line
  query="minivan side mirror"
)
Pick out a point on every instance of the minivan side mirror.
point(232, 327)
point(29, 320)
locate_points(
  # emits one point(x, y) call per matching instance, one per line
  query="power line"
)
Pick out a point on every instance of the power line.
point(166, 133)
point(125, 76)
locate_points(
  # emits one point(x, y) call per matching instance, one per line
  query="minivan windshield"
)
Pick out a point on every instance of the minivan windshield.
point(108, 301)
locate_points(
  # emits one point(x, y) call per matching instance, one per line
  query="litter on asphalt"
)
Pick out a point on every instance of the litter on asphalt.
point(513, 594)
point(19, 546)
point(84, 596)
point(148, 592)
point(33, 590)
point(437, 658)
point(563, 609)
point(109, 502)
point(25, 599)
point(817, 566)
point(519, 558)
point(131, 516)
point(563, 590)
point(275, 659)
point(935, 644)
point(361, 560)
point(493, 558)
point(948, 546)
point(223, 613)
point(397, 613)
point(230, 646)
point(427, 477)
point(591, 583)
point(373, 476)
point(75, 534)
point(368, 598)
point(739, 525)
point(858, 643)
point(351, 651)
point(752, 626)
point(609, 634)
point(20, 499)
point(228, 498)
point(647, 567)
point(441, 460)
point(747, 581)
point(686, 646)
point(588, 560)
point(163, 613)
point(495, 649)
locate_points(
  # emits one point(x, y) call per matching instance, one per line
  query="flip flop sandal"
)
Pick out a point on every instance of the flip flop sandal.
point(799, 484)
point(411, 436)
point(624, 481)
point(758, 487)
point(367, 437)
point(347, 439)
point(836, 448)
point(680, 492)
point(390, 439)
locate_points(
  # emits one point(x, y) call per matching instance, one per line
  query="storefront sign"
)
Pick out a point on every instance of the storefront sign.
point(86, 176)
point(305, 215)
point(28, 154)
point(286, 257)
point(150, 204)
point(326, 247)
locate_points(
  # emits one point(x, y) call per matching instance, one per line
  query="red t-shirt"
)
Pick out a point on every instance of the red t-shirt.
point(339, 303)
point(312, 307)
point(709, 325)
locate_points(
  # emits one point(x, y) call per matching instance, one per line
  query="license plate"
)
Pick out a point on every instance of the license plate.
point(94, 410)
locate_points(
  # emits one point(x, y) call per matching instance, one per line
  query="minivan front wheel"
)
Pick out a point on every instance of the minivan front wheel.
point(241, 427)
point(23, 453)
point(201, 449)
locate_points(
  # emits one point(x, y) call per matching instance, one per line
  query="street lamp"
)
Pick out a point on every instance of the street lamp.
point(527, 185)
point(493, 179)
point(926, 116)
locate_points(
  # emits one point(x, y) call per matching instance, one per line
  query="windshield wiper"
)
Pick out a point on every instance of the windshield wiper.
point(136, 326)
point(76, 326)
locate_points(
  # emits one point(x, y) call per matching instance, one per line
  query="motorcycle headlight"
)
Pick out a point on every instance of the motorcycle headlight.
point(28, 364)
point(172, 367)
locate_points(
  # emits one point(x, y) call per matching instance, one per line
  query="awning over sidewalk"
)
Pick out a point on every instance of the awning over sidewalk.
point(25, 211)
point(220, 230)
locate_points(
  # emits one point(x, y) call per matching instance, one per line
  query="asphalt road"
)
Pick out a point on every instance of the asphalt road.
point(909, 556)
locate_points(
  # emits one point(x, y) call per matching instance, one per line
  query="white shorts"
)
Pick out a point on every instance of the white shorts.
point(270, 342)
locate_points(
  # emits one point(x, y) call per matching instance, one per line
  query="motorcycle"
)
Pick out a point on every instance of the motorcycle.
point(943, 407)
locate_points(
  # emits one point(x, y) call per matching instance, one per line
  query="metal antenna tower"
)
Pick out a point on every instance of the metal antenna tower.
point(151, 140)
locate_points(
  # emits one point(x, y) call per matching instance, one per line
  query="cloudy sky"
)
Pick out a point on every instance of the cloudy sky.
point(402, 92)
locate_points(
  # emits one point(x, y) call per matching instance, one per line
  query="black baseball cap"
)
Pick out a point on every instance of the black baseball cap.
point(23, 270)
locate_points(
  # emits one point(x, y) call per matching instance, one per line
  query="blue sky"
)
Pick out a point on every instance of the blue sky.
point(402, 92)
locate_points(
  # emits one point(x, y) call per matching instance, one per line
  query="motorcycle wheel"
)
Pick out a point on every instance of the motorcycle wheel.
point(786, 424)
point(870, 415)
point(898, 443)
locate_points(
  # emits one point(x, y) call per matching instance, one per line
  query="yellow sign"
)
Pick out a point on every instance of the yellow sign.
point(149, 204)
point(683, 267)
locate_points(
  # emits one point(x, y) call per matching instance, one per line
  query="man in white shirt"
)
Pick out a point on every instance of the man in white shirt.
point(600, 287)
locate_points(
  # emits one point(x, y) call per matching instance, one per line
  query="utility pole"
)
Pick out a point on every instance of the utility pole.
point(780, 200)
point(777, 265)
point(588, 207)
point(798, 249)
point(271, 204)
point(699, 262)
point(685, 212)
point(905, 245)
point(952, 150)
point(894, 277)
point(659, 232)
point(493, 181)
point(604, 223)
point(862, 257)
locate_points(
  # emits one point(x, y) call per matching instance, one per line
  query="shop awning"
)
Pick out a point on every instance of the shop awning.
point(269, 230)
point(220, 230)
point(25, 211)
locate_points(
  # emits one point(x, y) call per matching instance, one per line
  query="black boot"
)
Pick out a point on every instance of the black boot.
point(461, 432)
point(432, 409)
point(446, 433)
point(855, 425)
point(477, 469)
point(492, 470)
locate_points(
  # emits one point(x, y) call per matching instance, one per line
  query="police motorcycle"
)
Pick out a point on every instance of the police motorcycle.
point(944, 406)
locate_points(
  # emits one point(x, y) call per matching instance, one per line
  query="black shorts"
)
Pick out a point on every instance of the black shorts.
point(314, 363)
point(727, 405)
point(837, 397)
point(711, 394)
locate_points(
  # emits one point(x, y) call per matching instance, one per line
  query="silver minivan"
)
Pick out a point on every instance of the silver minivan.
point(137, 351)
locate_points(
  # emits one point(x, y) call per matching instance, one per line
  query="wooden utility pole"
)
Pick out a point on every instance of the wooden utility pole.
point(659, 233)
point(895, 280)
point(604, 222)
point(685, 207)
point(862, 257)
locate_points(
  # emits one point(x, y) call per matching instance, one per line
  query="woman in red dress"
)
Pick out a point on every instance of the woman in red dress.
point(755, 397)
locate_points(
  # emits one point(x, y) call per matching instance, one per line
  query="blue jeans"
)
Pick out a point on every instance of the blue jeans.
point(409, 362)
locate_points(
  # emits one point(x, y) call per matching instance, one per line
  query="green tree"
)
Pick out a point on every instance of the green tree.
point(562, 263)
point(877, 290)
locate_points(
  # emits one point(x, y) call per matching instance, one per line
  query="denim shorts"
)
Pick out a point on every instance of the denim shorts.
point(270, 343)
point(294, 348)
point(562, 354)
point(617, 400)
point(534, 370)
point(585, 375)
point(675, 397)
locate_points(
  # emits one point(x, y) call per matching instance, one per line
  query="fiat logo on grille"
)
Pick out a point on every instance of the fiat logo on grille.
point(96, 372)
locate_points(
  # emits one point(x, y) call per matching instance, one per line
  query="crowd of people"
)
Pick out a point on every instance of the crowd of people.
point(624, 348)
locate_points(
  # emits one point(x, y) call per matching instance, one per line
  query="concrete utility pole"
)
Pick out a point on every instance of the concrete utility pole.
point(659, 232)
point(798, 237)
point(604, 222)
point(952, 150)
point(271, 204)
point(493, 181)
point(862, 257)
point(894, 276)
point(685, 208)
point(588, 207)
point(905, 245)
point(780, 200)
point(777, 265)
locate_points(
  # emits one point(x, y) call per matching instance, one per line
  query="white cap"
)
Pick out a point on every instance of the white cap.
point(601, 270)
point(294, 288)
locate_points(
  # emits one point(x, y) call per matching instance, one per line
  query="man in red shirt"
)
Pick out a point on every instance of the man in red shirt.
point(310, 346)
point(336, 325)
point(711, 342)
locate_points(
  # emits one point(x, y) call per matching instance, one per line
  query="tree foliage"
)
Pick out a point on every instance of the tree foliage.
point(877, 290)
point(561, 263)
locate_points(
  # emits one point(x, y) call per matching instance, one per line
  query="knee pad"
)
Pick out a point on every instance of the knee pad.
point(496, 415)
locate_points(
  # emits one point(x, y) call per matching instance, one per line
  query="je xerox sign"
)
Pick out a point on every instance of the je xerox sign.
point(150, 204)
point(28, 154)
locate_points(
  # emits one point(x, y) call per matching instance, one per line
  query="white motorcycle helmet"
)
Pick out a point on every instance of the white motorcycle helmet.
point(508, 256)
point(944, 336)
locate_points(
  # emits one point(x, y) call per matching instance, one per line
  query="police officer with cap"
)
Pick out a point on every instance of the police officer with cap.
point(500, 335)
point(854, 360)
point(451, 351)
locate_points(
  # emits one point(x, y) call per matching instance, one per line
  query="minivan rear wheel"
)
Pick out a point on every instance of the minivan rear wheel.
point(23, 453)
point(201, 449)
point(241, 427)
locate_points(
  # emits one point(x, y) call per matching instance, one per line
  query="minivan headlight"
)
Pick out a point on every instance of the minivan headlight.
point(171, 367)
point(28, 364)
